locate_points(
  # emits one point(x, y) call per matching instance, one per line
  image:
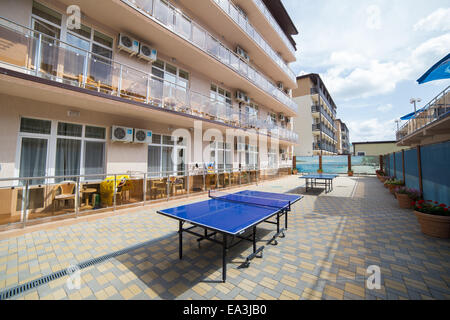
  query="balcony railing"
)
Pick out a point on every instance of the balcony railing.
point(174, 20)
point(274, 24)
point(316, 90)
point(436, 109)
point(31, 200)
point(37, 54)
point(324, 146)
point(321, 127)
point(321, 109)
point(242, 21)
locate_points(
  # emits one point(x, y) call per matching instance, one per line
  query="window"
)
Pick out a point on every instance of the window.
point(273, 158)
point(221, 155)
point(166, 156)
point(71, 149)
point(222, 100)
point(169, 81)
point(251, 157)
point(361, 153)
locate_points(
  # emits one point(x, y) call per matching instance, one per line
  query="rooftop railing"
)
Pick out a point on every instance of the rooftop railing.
point(177, 22)
point(436, 109)
point(35, 53)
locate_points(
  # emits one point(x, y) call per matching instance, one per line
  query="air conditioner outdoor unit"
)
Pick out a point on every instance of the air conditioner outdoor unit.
point(281, 117)
point(147, 53)
point(280, 85)
point(242, 97)
point(128, 44)
point(142, 136)
point(121, 134)
point(242, 53)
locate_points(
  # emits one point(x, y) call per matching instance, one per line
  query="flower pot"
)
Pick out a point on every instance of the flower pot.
point(433, 225)
point(403, 200)
point(382, 179)
point(350, 174)
point(391, 188)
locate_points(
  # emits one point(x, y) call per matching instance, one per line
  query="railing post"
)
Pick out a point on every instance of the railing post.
point(38, 54)
point(119, 85)
point(168, 188)
point(188, 180)
point(204, 180)
point(25, 202)
point(419, 168)
point(115, 192)
point(144, 189)
point(77, 197)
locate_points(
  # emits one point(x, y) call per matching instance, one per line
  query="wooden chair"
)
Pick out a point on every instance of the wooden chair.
point(65, 193)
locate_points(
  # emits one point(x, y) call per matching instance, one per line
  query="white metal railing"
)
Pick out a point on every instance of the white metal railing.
point(40, 55)
point(177, 22)
point(38, 199)
point(274, 24)
point(436, 109)
point(238, 17)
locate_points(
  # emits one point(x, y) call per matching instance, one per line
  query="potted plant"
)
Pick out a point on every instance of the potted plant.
point(380, 174)
point(350, 173)
point(405, 195)
point(434, 218)
point(294, 171)
point(393, 184)
point(319, 171)
point(387, 180)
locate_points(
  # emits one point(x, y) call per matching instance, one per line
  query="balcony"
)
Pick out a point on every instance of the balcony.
point(324, 146)
point(319, 92)
point(172, 19)
point(36, 54)
point(322, 128)
point(434, 118)
point(321, 109)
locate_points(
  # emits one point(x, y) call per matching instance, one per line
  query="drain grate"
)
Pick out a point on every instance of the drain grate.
point(11, 292)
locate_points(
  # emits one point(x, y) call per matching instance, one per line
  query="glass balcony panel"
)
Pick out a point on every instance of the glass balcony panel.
point(224, 54)
point(156, 187)
point(234, 62)
point(144, 5)
point(18, 47)
point(212, 46)
point(234, 14)
point(243, 67)
point(161, 12)
point(133, 85)
point(74, 64)
point(198, 36)
point(184, 25)
point(102, 75)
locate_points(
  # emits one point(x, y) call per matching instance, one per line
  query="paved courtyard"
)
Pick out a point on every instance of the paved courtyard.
point(331, 241)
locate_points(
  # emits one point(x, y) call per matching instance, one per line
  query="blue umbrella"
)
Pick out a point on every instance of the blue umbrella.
point(440, 70)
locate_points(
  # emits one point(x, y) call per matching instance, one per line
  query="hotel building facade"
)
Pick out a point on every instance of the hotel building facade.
point(343, 137)
point(175, 97)
point(315, 122)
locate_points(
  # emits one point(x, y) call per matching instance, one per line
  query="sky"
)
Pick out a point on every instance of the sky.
point(370, 54)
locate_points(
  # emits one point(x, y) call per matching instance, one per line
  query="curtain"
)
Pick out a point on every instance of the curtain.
point(167, 160)
point(68, 152)
point(94, 158)
point(154, 160)
point(33, 159)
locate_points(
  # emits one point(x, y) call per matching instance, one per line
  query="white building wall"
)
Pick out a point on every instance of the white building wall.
point(303, 126)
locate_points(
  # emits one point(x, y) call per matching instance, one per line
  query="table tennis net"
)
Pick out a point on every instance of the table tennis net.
point(251, 200)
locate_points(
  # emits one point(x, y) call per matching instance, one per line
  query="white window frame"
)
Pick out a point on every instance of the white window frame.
point(176, 149)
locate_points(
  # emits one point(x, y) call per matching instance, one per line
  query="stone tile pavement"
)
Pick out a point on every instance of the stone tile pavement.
point(331, 240)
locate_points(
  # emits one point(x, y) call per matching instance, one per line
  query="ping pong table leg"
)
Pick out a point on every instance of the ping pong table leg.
point(278, 222)
point(224, 258)
point(180, 239)
point(254, 239)
point(286, 219)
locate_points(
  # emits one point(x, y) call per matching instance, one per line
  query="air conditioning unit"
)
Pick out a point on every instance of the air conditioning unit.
point(121, 134)
point(242, 53)
point(242, 97)
point(281, 117)
point(280, 85)
point(147, 53)
point(128, 44)
point(142, 136)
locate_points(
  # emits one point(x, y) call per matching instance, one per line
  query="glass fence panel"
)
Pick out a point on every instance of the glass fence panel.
point(133, 85)
point(307, 164)
point(132, 191)
point(145, 5)
point(211, 181)
point(178, 186)
point(196, 181)
point(365, 164)
point(18, 51)
point(156, 189)
point(10, 203)
point(90, 194)
point(103, 75)
point(335, 164)
point(198, 36)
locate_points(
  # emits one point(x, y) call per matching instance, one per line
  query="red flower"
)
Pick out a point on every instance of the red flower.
point(413, 203)
point(421, 201)
point(436, 202)
point(445, 209)
point(442, 205)
point(429, 200)
point(419, 207)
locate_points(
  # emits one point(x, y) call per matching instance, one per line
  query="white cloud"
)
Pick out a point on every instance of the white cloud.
point(385, 107)
point(439, 20)
point(371, 130)
point(373, 17)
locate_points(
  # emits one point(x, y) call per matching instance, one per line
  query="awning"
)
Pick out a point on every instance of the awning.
point(440, 70)
point(411, 115)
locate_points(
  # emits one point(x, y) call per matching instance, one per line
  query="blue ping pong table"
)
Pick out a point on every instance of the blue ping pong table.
point(311, 181)
point(232, 215)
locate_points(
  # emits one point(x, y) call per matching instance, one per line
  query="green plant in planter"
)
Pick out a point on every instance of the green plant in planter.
point(430, 207)
point(394, 182)
point(380, 172)
point(413, 194)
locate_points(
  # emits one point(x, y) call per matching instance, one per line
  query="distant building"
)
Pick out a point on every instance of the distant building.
point(375, 148)
point(315, 118)
point(343, 137)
